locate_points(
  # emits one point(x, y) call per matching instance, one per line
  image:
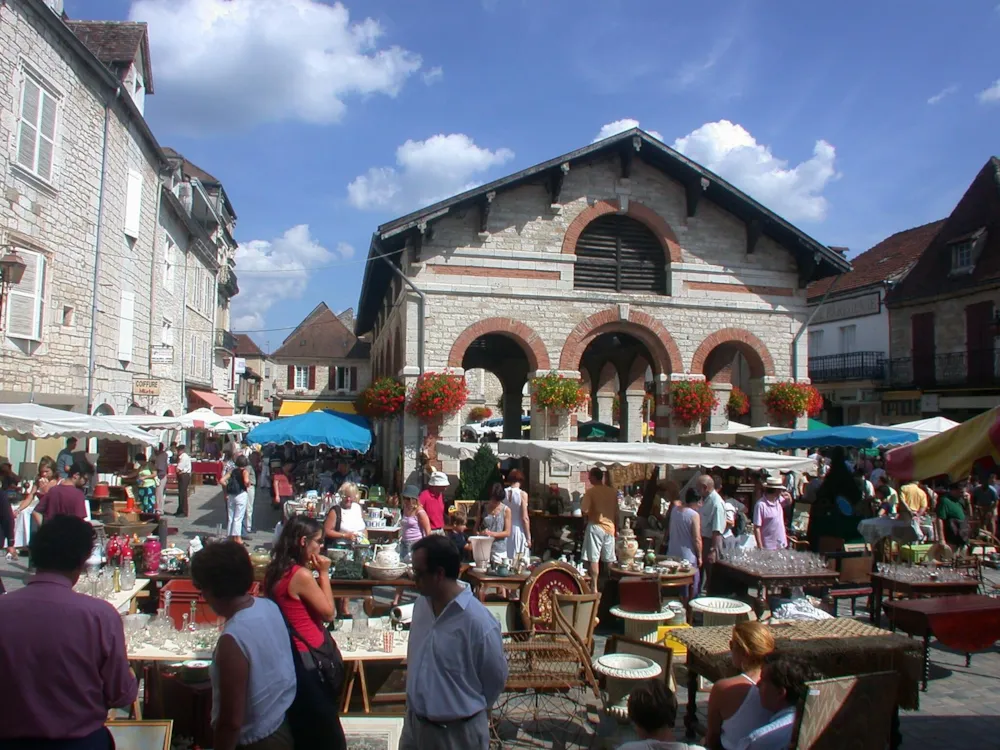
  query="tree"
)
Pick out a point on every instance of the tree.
point(478, 475)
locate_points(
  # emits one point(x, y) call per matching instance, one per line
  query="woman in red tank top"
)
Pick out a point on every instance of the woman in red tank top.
point(306, 602)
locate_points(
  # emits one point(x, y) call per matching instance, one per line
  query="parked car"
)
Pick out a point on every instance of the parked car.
point(490, 430)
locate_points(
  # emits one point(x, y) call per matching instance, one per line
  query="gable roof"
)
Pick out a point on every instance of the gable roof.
point(389, 239)
point(247, 347)
point(117, 44)
point(978, 209)
point(887, 261)
point(189, 168)
point(322, 336)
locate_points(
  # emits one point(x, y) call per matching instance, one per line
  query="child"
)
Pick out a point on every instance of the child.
point(459, 536)
point(652, 709)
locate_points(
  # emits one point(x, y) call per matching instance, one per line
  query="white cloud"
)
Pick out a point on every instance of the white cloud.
point(942, 94)
point(425, 172)
point(270, 271)
point(620, 126)
point(433, 75)
point(795, 193)
point(990, 95)
point(224, 63)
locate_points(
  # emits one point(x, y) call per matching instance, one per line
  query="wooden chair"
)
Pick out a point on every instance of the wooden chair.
point(580, 612)
point(847, 712)
point(536, 594)
point(662, 655)
point(829, 544)
point(855, 583)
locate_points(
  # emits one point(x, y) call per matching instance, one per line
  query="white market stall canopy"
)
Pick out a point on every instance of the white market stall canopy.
point(927, 427)
point(623, 454)
point(34, 422)
point(462, 451)
point(205, 419)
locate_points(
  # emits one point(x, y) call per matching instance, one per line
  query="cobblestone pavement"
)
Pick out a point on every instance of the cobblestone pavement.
point(960, 710)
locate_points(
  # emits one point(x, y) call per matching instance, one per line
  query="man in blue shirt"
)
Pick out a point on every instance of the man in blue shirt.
point(782, 686)
point(65, 458)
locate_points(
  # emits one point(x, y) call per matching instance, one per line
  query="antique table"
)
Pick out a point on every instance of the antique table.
point(728, 578)
point(836, 648)
point(964, 623)
point(883, 583)
point(361, 588)
point(482, 581)
point(677, 583)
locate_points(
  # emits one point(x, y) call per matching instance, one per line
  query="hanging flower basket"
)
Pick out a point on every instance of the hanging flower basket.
point(479, 413)
point(437, 395)
point(738, 405)
point(382, 399)
point(692, 401)
point(553, 391)
point(787, 401)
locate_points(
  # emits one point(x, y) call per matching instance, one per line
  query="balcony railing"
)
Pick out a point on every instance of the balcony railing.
point(851, 366)
point(225, 340)
point(975, 369)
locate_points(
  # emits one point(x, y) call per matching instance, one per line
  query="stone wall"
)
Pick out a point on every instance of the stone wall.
point(949, 322)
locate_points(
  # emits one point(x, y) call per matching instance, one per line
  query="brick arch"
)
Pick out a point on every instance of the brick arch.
point(756, 352)
point(657, 339)
point(653, 221)
point(529, 341)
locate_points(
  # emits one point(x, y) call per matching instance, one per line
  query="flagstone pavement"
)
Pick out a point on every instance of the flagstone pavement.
point(960, 710)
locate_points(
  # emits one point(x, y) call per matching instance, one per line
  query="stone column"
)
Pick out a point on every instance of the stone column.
point(631, 413)
point(758, 411)
point(411, 439)
point(720, 414)
point(661, 412)
point(802, 423)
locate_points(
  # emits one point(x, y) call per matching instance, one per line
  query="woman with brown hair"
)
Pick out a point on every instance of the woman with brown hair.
point(734, 708)
point(22, 513)
point(519, 541)
point(496, 523)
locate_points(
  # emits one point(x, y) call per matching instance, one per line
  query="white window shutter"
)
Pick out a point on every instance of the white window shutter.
point(24, 301)
point(133, 203)
point(46, 136)
point(126, 326)
point(27, 140)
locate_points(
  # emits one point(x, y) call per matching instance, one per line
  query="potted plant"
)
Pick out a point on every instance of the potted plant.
point(692, 401)
point(382, 399)
point(738, 405)
point(787, 401)
point(553, 391)
point(436, 396)
point(479, 413)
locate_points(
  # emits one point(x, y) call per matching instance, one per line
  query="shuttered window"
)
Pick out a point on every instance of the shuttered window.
point(619, 254)
point(24, 300)
point(133, 203)
point(36, 133)
point(126, 326)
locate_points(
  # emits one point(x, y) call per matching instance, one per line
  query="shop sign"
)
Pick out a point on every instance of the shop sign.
point(856, 307)
point(162, 355)
point(145, 387)
point(929, 402)
point(239, 366)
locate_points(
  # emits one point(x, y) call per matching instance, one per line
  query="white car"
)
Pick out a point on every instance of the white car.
point(489, 430)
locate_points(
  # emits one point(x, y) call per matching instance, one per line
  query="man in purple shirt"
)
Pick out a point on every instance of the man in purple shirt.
point(66, 498)
point(62, 654)
point(769, 516)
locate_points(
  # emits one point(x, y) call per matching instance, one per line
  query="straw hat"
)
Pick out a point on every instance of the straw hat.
point(774, 483)
point(438, 479)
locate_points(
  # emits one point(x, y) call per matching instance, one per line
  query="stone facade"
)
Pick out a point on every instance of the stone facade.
point(512, 275)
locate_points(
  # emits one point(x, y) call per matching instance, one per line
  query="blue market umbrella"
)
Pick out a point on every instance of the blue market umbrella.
point(334, 429)
point(848, 436)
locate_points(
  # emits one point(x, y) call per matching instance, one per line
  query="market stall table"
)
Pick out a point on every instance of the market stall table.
point(642, 626)
point(681, 582)
point(732, 578)
point(355, 661)
point(482, 581)
point(964, 623)
point(835, 648)
point(201, 470)
point(124, 601)
point(896, 585)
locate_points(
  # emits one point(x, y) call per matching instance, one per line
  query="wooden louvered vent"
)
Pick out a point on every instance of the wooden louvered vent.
point(619, 254)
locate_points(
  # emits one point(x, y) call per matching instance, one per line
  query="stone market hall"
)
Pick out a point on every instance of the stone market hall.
point(622, 263)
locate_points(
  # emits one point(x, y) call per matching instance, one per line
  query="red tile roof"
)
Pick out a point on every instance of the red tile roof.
point(322, 336)
point(979, 209)
point(117, 44)
point(247, 347)
point(887, 261)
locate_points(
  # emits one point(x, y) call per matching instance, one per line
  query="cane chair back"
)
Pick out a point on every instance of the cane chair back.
point(536, 593)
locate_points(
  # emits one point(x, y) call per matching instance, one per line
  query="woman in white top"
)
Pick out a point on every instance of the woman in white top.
point(22, 513)
point(253, 675)
point(734, 708)
point(345, 521)
point(519, 541)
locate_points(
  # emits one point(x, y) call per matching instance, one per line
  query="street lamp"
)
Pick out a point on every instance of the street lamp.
point(11, 271)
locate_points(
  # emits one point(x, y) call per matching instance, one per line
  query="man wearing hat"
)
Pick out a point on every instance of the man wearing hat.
point(432, 499)
point(769, 516)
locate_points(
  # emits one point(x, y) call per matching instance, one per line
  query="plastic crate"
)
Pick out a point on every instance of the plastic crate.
point(663, 637)
point(914, 553)
point(182, 593)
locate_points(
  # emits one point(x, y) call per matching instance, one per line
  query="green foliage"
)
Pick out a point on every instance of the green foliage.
point(478, 475)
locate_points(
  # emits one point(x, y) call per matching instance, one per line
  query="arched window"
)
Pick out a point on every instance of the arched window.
point(619, 254)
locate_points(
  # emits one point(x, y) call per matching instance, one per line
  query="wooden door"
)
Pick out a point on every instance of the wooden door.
point(922, 328)
point(979, 343)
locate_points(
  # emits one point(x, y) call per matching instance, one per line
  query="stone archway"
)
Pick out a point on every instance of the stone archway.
point(656, 224)
point(529, 341)
point(647, 329)
point(734, 357)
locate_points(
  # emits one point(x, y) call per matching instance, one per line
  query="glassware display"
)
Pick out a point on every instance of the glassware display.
point(767, 562)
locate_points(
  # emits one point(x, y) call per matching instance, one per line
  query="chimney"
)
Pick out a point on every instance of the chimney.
point(842, 250)
point(56, 6)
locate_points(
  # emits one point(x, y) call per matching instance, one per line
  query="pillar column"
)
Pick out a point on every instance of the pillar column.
point(719, 419)
point(661, 409)
point(758, 411)
point(631, 412)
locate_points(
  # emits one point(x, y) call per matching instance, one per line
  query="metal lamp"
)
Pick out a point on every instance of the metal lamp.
point(12, 268)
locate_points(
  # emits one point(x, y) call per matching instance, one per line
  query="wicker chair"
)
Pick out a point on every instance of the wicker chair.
point(536, 593)
point(580, 611)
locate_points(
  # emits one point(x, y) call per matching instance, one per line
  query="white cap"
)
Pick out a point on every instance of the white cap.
point(438, 479)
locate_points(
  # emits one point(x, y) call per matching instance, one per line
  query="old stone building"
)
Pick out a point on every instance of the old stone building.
point(620, 260)
point(255, 385)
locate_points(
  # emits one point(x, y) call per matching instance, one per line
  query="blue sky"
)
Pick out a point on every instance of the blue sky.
point(324, 120)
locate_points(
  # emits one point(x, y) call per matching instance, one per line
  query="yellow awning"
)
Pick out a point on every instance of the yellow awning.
point(292, 408)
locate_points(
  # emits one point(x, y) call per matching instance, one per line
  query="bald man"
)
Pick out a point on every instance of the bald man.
point(713, 524)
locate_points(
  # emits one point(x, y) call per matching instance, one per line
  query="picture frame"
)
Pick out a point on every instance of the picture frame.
point(141, 735)
point(559, 469)
point(372, 733)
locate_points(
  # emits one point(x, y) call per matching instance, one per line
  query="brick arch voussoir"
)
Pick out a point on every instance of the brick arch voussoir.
point(656, 224)
point(666, 355)
point(761, 362)
point(530, 342)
